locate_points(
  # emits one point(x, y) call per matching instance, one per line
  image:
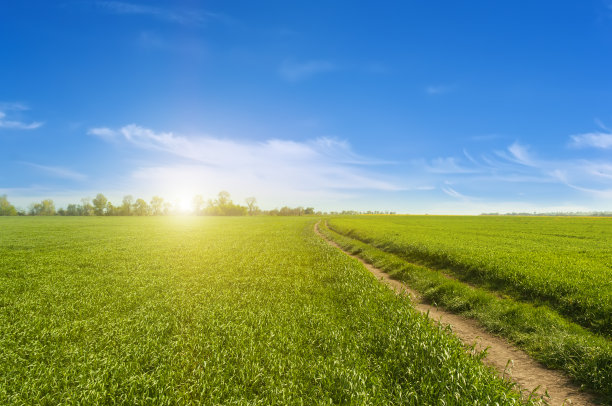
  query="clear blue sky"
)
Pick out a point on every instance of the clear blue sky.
point(410, 106)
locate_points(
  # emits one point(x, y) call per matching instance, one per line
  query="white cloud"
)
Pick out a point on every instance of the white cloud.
point(593, 140)
point(605, 194)
point(17, 125)
point(103, 132)
point(58, 171)
point(514, 154)
point(453, 193)
point(517, 167)
point(448, 165)
point(296, 71)
point(13, 106)
point(212, 150)
point(521, 154)
point(282, 170)
point(599, 169)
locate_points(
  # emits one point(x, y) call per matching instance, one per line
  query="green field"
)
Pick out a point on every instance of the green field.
point(213, 311)
point(543, 282)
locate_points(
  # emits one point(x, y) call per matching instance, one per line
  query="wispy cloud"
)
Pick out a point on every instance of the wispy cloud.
point(517, 153)
point(448, 165)
point(58, 171)
point(13, 106)
point(453, 193)
point(103, 132)
point(296, 71)
point(520, 166)
point(214, 150)
point(182, 16)
point(521, 154)
point(275, 167)
point(13, 123)
point(599, 140)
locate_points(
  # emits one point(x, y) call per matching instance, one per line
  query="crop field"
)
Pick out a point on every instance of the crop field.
point(543, 282)
point(213, 311)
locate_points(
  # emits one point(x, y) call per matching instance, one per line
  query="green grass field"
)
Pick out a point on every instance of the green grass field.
point(543, 282)
point(213, 311)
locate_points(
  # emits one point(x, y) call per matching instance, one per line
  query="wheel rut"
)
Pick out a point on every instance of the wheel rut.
point(509, 361)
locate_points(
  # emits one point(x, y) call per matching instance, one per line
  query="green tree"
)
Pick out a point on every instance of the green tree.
point(223, 199)
point(252, 205)
point(157, 205)
point(111, 210)
point(99, 204)
point(6, 209)
point(44, 208)
point(141, 208)
point(86, 207)
point(126, 206)
point(74, 210)
point(223, 206)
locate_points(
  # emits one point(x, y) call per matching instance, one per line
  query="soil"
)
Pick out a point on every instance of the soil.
point(510, 362)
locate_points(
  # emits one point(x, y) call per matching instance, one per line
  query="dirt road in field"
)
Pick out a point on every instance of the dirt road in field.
point(508, 360)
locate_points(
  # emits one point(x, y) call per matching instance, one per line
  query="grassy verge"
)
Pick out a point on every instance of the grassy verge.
point(540, 331)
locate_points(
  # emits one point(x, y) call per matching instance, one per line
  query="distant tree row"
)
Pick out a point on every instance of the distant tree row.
point(223, 206)
point(101, 206)
point(288, 211)
point(556, 214)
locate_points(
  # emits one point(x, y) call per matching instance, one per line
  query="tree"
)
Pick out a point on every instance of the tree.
point(44, 208)
point(74, 210)
point(289, 211)
point(126, 207)
point(111, 210)
point(224, 199)
point(86, 207)
point(198, 205)
point(99, 204)
point(252, 205)
point(141, 208)
point(212, 208)
point(157, 204)
point(6, 209)
point(223, 206)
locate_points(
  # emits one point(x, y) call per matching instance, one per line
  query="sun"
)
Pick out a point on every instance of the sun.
point(184, 205)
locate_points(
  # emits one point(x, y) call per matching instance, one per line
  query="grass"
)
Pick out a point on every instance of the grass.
point(565, 263)
point(551, 338)
point(213, 311)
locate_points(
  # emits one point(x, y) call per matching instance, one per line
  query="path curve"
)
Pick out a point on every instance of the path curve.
point(509, 361)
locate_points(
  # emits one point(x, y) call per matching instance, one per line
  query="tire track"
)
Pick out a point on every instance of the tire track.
point(509, 361)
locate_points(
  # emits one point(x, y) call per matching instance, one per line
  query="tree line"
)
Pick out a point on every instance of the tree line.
point(157, 206)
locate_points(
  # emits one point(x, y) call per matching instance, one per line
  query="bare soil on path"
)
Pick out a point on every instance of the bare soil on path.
point(510, 362)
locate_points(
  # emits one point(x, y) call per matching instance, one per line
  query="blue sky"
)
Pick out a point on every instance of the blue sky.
point(410, 106)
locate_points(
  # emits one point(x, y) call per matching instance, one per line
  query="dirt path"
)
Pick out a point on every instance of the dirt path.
point(508, 360)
